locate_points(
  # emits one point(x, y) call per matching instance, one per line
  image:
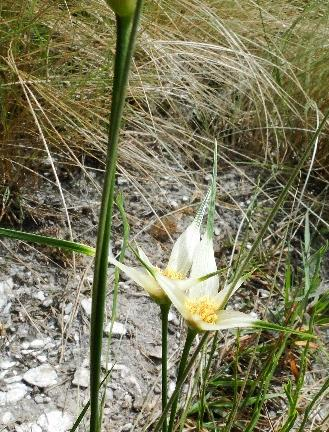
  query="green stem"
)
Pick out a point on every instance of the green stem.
point(164, 358)
point(205, 379)
point(182, 364)
point(126, 34)
point(180, 383)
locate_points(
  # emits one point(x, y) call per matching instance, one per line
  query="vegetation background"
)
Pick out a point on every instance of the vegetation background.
point(252, 74)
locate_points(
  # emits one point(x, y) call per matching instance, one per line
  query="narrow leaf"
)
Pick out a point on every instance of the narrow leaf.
point(48, 241)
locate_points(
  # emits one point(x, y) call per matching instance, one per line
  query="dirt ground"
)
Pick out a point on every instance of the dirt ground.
point(46, 298)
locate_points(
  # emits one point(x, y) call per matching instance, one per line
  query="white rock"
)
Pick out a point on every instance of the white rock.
point(81, 377)
point(173, 318)
point(121, 181)
point(171, 388)
point(55, 421)
point(40, 295)
point(37, 343)
point(217, 231)
point(127, 427)
point(13, 379)
point(42, 358)
point(6, 288)
point(47, 302)
point(131, 379)
point(118, 329)
point(14, 393)
point(86, 305)
point(173, 204)
point(38, 399)
point(6, 364)
point(41, 376)
point(68, 308)
point(3, 374)
point(28, 427)
point(7, 417)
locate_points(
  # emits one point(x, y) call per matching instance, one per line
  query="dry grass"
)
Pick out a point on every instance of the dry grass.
point(226, 70)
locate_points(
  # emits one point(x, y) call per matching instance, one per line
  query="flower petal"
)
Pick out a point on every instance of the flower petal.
point(175, 294)
point(203, 264)
point(183, 250)
point(230, 319)
point(142, 278)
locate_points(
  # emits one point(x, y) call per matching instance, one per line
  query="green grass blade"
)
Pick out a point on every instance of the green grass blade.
point(278, 204)
point(48, 241)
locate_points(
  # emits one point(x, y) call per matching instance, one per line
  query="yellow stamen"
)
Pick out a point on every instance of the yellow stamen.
point(172, 274)
point(205, 307)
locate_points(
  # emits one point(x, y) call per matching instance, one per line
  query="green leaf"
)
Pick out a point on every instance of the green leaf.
point(48, 241)
point(264, 325)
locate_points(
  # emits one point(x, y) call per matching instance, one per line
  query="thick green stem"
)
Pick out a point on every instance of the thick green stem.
point(164, 358)
point(126, 32)
point(182, 364)
point(180, 383)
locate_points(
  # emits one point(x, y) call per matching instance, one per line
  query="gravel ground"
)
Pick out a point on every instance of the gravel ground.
point(45, 309)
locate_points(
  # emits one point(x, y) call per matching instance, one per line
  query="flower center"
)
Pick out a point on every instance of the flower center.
point(172, 274)
point(205, 307)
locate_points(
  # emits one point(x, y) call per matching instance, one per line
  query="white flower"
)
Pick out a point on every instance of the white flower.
point(179, 264)
point(202, 305)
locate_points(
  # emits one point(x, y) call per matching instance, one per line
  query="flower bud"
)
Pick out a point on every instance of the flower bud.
point(123, 7)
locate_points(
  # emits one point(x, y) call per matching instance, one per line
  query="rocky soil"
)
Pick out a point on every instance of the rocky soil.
point(45, 303)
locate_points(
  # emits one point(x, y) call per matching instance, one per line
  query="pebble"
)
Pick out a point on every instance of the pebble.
point(155, 352)
point(42, 358)
point(47, 302)
point(6, 288)
point(173, 204)
point(3, 374)
point(37, 343)
point(81, 377)
point(40, 295)
point(86, 305)
point(127, 427)
point(109, 397)
point(6, 364)
point(172, 318)
point(28, 427)
point(133, 380)
point(185, 198)
point(127, 401)
point(41, 376)
point(121, 181)
point(55, 421)
point(7, 417)
point(118, 329)
point(38, 399)
point(68, 308)
point(263, 293)
point(13, 379)
point(217, 231)
point(15, 392)
point(171, 388)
